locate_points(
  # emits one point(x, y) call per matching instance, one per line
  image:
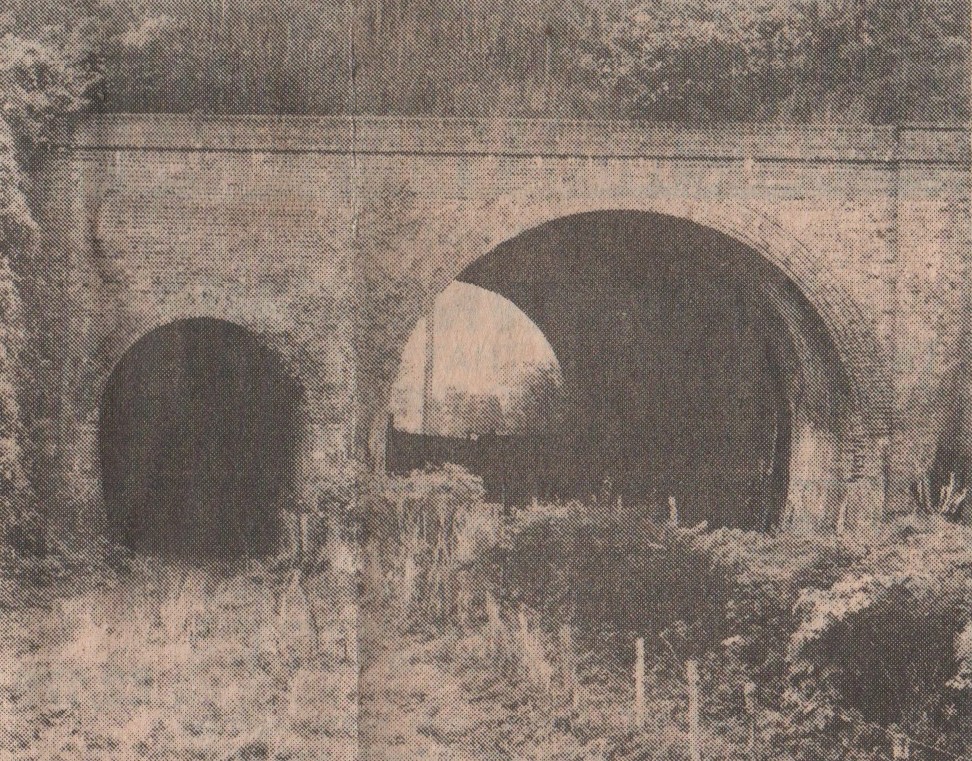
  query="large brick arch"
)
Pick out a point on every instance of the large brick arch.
point(507, 217)
point(461, 234)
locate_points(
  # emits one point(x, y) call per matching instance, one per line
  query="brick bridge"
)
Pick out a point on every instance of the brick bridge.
point(327, 239)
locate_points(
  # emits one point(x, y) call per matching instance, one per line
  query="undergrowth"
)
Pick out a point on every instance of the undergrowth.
point(838, 642)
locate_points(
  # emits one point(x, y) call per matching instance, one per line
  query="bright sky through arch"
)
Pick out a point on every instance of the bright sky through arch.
point(484, 345)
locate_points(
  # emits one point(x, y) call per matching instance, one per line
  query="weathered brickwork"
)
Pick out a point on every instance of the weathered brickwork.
point(330, 240)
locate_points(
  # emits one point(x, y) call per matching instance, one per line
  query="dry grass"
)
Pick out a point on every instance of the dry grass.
point(168, 662)
point(426, 534)
point(178, 663)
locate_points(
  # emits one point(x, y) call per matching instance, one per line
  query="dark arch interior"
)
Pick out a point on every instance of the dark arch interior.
point(198, 441)
point(682, 372)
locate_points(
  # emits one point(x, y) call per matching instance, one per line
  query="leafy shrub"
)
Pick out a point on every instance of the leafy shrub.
point(619, 578)
point(39, 83)
point(845, 638)
point(886, 643)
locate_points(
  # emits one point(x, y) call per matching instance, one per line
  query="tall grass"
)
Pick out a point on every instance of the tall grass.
point(168, 662)
point(426, 533)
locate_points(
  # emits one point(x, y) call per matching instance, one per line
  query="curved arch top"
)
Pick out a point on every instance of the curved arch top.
point(211, 302)
point(471, 232)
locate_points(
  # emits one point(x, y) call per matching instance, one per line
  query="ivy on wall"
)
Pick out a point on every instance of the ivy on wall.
point(18, 516)
point(41, 82)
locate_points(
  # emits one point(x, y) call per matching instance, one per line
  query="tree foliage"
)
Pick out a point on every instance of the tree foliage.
point(876, 61)
point(860, 60)
point(43, 80)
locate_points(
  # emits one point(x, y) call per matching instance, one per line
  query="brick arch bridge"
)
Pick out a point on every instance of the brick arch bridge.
point(329, 239)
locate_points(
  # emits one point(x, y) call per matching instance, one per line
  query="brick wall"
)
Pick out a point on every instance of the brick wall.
point(330, 242)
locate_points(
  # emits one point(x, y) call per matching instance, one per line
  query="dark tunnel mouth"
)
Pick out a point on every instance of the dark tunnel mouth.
point(198, 439)
point(800, 374)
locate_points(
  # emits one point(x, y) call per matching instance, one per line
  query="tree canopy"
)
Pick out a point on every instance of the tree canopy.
point(875, 61)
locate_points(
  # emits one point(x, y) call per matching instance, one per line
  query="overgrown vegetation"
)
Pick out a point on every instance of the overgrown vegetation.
point(167, 662)
point(839, 642)
point(427, 536)
point(41, 81)
point(852, 60)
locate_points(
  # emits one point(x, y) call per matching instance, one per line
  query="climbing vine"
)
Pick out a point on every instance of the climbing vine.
point(41, 81)
point(17, 514)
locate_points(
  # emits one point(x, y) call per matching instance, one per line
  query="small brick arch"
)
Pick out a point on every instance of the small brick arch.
point(226, 481)
point(114, 335)
point(268, 325)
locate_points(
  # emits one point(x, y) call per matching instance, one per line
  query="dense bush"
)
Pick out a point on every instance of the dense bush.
point(887, 643)
point(42, 80)
point(616, 577)
point(844, 638)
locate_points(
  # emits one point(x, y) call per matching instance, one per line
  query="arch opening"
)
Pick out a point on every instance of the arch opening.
point(693, 367)
point(198, 437)
point(478, 386)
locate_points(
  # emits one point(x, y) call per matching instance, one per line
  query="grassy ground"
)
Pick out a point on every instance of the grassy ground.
point(167, 662)
point(163, 661)
point(416, 706)
point(447, 697)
